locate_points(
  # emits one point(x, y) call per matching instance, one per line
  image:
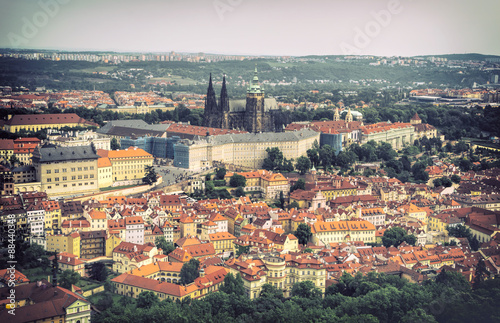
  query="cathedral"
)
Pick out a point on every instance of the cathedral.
point(255, 114)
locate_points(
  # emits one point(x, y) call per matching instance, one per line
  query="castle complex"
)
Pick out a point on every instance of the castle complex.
point(255, 114)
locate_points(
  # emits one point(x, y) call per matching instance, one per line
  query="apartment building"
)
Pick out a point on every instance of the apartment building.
point(66, 170)
point(127, 164)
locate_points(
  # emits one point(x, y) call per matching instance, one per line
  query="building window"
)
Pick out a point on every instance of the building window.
point(73, 169)
point(48, 171)
point(73, 177)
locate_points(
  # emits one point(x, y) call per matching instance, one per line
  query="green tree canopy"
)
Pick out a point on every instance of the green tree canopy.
point(165, 245)
point(303, 233)
point(190, 271)
point(220, 173)
point(237, 180)
point(299, 184)
point(68, 278)
point(114, 145)
point(303, 164)
point(239, 192)
point(396, 235)
point(150, 177)
point(147, 299)
point(306, 289)
point(233, 285)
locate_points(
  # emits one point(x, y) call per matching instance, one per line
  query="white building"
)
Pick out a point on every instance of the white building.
point(134, 229)
point(36, 219)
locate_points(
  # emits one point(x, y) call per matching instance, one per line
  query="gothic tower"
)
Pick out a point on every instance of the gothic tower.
point(255, 114)
point(224, 105)
point(210, 113)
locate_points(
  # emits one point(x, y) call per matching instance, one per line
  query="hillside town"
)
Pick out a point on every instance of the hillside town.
point(173, 210)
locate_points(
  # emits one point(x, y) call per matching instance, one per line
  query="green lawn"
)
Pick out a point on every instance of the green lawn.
point(94, 299)
point(35, 274)
point(86, 285)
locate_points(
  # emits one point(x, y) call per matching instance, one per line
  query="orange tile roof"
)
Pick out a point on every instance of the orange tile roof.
point(103, 162)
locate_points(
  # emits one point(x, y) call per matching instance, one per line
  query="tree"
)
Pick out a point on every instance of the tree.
point(303, 233)
point(384, 151)
point(300, 184)
point(455, 179)
point(239, 192)
point(55, 269)
point(293, 205)
point(31, 255)
point(233, 285)
point(150, 177)
point(68, 278)
point(147, 299)
point(190, 271)
point(395, 236)
point(326, 156)
point(114, 145)
point(98, 271)
point(282, 200)
point(303, 164)
point(274, 160)
point(209, 187)
point(220, 173)
point(271, 292)
point(237, 180)
point(313, 156)
point(166, 246)
point(242, 249)
point(306, 289)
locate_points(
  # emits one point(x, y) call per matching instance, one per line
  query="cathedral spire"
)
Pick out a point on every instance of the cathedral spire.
point(224, 98)
point(210, 105)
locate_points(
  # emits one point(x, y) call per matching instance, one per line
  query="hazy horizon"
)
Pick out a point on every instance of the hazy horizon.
point(254, 28)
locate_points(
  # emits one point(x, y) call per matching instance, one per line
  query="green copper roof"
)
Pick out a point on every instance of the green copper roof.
point(254, 83)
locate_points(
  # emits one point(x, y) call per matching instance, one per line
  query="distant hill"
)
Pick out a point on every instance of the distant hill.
point(465, 57)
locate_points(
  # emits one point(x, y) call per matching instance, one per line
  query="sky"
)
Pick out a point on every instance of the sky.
point(254, 27)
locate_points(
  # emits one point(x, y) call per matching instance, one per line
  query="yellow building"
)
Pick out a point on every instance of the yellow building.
point(343, 231)
point(281, 271)
point(163, 271)
point(269, 183)
point(414, 211)
point(112, 242)
point(396, 134)
point(439, 222)
point(104, 172)
point(188, 227)
point(52, 215)
point(128, 164)
point(6, 148)
point(222, 241)
point(36, 122)
point(65, 171)
point(246, 150)
point(64, 243)
point(337, 189)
